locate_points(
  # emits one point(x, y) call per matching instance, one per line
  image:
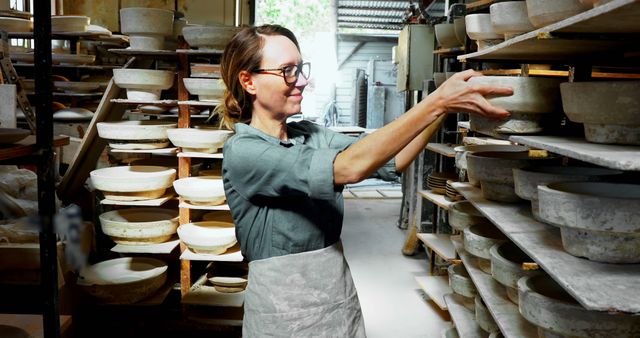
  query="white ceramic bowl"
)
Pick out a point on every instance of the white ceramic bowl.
point(198, 140)
point(76, 87)
point(143, 84)
point(16, 25)
point(206, 89)
point(73, 114)
point(208, 237)
point(446, 35)
point(209, 37)
point(546, 12)
point(510, 18)
point(128, 183)
point(148, 134)
point(146, 27)
point(139, 225)
point(123, 280)
point(69, 23)
point(479, 27)
point(12, 135)
point(205, 190)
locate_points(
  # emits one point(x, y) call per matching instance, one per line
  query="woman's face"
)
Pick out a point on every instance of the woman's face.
point(271, 92)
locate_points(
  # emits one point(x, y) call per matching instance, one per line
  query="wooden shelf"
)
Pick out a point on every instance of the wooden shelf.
point(62, 35)
point(494, 294)
point(479, 4)
point(585, 280)
point(211, 52)
point(202, 294)
point(154, 102)
point(449, 51)
point(463, 318)
point(233, 254)
point(559, 73)
point(552, 43)
point(156, 248)
point(27, 147)
point(440, 243)
point(145, 203)
point(436, 199)
point(224, 207)
point(143, 52)
point(199, 155)
point(200, 103)
point(162, 151)
point(621, 157)
point(58, 94)
point(436, 287)
point(94, 67)
point(445, 149)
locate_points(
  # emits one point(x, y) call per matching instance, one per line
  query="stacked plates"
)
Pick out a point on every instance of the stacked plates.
point(437, 181)
point(452, 194)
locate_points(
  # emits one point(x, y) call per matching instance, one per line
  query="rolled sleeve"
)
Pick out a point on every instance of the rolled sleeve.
point(321, 180)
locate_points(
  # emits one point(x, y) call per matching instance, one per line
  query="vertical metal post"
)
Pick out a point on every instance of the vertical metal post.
point(46, 170)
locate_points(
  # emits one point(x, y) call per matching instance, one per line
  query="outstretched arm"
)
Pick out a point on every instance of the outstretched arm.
point(405, 137)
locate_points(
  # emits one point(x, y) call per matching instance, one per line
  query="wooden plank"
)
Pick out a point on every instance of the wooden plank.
point(199, 155)
point(483, 141)
point(440, 243)
point(156, 202)
point(618, 16)
point(445, 149)
point(621, 157)
point(155, 248)
point(436, 199)
point(582, 278)
point(494, 294)
point(436, 287)
point(559, 73)
point(91, 147)
point(27, 147)
point(463, 318)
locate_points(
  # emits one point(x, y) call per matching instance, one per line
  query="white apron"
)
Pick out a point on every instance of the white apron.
point(308, 294)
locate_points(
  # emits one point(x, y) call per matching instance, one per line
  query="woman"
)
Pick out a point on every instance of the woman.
point(283, 183)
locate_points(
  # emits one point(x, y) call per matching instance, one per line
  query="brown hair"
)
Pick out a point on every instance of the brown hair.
point(244, 52)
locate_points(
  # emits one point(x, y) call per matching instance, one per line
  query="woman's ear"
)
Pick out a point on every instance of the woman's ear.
point(246, 81)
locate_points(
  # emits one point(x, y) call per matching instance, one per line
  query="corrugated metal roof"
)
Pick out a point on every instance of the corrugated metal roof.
point(386, 15)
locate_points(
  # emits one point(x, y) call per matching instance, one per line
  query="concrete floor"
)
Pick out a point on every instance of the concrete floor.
point(392, 302)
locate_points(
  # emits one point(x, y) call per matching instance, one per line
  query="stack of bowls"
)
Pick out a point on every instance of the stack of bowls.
point(461, 283)
point(437, 181)
point(206, 89)
point(146, 27)
point(452, 194)
point(149, 134)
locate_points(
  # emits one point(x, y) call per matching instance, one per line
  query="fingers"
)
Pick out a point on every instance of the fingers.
point(467, 74)
point(485, 90)
point(488, 110)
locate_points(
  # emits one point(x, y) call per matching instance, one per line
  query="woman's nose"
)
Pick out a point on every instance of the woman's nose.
point(302, 82)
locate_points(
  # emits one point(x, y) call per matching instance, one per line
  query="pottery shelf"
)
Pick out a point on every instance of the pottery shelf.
point(463, 318)
point(440, 244)
point(435, 287)
point(66, 36)
point(28, 147)
point(449, 51)
point(144, 203)
point(88, 67)
point(585, 280)
point(154, 102)
point(144, 52)
point(162, 151)
point(621, 157)
point(222, 207)
point(573, 38)
point(211, 52)
point(200, 103)
point(199, 155)
point(58, 94)
point(504, 312)
point(155, 248)
point(442, 148)
point(231, 255)
point(482, 141)
point(436, 199)
point(559, 73)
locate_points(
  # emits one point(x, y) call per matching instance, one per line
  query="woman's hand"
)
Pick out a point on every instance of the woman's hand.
point(457, 95)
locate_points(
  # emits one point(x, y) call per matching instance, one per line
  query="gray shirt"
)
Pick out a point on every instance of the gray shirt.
point(281, 193)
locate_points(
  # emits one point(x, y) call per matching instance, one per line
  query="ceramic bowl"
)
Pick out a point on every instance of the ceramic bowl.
point(610, 110)
point(460, 282)
point(133, 182)
point(201, 190)
point(545, 12)
point(237, 282)
point(208, 237)
point(16, 25)
point(198, 140)
point(147, 134)
point(206, 89)
point(463, 214)
point(76, 87)
point(73, 114)
point(209, 37)
point(12, 135)
point(69, 23)
point(460, 30)
point(510, 18)
point(479, 239)
point(506, 266)
point(446, 35)
point(146, 27)
point(123, 280)
point(138, 226)
point(143, 84)
point(462, 151)
point(479, 27)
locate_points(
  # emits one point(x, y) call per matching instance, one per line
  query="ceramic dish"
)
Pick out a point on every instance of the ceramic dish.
point(206, 89)
point(143, 84)
point(76, 87)
point(201, 190)
point(198, 140)
point(128, 183)
point(209, 37)
point(147, 134)
point(69, 23)
point(208, 237)
point(73, 114)
point(138, 226)
point(146, 27)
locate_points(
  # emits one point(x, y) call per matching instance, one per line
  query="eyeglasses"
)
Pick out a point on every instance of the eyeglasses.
point(290, 73)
